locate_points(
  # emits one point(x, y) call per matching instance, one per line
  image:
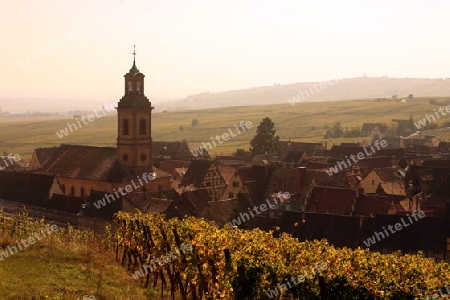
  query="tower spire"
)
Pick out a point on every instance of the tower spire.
point(134, 70)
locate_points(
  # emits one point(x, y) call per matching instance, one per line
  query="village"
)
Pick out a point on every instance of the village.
point(307, 195)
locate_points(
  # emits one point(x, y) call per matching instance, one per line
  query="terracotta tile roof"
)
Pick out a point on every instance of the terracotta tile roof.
point(230, 161)
point(244, 172)
point(43, 154)
point(310, 148)
point(174, 167)
point(440, 196)
point(190, 203)
point(388, 174)
point(375, 162)
point(196, 172)
point(173, 150)
point(148, 204)
point(377, 204)
point(198, 198)
point(266, 159)
point(331, 200)
point(86, 162)
point(286, 179)
point(198, 203)
point(160, 173)
point(221, 211)
point(321, 178)
point(256, 179)
point(294, 156)
point(342, 151)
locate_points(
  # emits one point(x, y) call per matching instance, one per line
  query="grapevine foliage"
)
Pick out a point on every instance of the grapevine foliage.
point(230, 263)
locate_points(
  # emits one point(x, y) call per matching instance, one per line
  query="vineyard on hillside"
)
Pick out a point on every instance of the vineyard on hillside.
point(194, 259)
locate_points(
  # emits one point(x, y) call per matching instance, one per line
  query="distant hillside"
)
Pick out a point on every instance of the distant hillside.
point(348, 89)
point(305, 122)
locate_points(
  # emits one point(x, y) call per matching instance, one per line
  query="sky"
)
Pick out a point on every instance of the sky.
point(78, 51)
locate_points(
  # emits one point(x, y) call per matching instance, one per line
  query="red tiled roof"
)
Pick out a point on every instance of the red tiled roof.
point(310, 148)
point(331, 200)
point(388, 174)
point(196, 172)
point(377, 204)
point(266, 159)
point(173, 166)
point(86, 162)
point(43, 154)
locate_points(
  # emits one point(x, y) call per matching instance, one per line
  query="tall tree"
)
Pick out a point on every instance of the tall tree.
point(265, 141)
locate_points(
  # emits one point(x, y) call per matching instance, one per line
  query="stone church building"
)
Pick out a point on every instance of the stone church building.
point(80, 169)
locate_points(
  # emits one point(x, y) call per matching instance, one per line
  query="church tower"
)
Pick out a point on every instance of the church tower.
point(134, 112)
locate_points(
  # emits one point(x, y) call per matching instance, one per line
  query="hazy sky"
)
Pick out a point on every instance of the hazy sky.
point(81, 49)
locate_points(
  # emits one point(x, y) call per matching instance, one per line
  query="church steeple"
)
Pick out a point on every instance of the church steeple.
point(134, 70)
point(134, 140)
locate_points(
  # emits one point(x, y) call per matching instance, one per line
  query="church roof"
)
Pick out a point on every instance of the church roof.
point(135, 101)
point(134, 70)
point(86, 162)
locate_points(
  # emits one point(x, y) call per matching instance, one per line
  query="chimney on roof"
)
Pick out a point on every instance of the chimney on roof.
point(301, 175)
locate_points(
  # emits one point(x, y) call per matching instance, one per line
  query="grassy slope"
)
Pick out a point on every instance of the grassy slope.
point(65, 266)
point(292, 122)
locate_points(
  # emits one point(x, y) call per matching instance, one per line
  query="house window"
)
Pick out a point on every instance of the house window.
point(143, 157)
point(142, 127)
point(230, 195)
point(82, 192)
point(236, 184)
point(373, 182)
point(63, 188)
point(274, 184)
point(72, 191)
point(125, 127)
